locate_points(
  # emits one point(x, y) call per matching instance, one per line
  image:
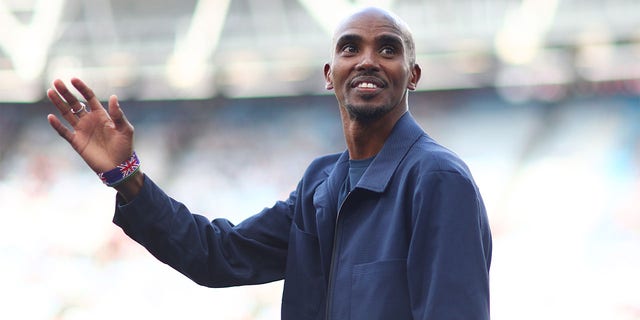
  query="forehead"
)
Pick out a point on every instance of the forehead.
point(368, 23)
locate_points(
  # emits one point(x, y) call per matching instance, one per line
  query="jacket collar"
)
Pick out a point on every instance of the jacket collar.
point(377, 177)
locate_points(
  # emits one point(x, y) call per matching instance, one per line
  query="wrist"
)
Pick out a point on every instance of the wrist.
point(126, 177)
point(130, 188)
point(121, 172)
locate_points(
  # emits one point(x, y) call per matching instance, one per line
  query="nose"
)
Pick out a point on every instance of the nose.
point(368, 61)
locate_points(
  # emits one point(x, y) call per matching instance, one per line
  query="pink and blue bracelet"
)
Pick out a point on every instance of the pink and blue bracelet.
point(122, 172)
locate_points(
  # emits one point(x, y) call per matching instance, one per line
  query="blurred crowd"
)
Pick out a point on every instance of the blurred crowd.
point(561, 181)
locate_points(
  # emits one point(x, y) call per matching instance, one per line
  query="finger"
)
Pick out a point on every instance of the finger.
point(87, 93)
point(60, 128)
point(62, 106)
point(67, 95)
point(80, 111)
point(116, 113)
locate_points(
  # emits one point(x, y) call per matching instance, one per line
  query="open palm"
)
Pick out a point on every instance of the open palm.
point(102, 137)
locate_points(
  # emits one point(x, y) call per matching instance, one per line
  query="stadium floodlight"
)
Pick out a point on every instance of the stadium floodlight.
point(187, 65)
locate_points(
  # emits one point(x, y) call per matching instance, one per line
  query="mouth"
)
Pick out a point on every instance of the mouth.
point(367, 83)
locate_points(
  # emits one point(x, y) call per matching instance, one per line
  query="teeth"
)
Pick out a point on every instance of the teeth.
point(368, 85)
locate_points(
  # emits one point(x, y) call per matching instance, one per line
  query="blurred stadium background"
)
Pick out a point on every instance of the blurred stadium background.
point(541, 97)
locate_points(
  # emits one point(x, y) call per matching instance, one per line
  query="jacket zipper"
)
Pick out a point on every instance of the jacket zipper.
point(336, 239)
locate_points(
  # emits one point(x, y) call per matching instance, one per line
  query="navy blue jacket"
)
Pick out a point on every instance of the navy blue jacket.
point(411, 241)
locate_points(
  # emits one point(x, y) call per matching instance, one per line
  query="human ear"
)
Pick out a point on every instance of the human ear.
point(416, 72)
point(328, 82)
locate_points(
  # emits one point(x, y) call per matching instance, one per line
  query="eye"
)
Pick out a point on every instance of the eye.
point(388, 50)
point(349, 48)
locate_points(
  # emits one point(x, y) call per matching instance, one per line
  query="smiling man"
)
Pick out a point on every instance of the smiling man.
point(373, 65)
point(394, 227)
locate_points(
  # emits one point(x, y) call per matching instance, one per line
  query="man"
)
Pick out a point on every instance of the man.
point(392, 228)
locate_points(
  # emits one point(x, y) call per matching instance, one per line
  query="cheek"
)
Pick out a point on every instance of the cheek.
point(338, 73)
point(339, 87)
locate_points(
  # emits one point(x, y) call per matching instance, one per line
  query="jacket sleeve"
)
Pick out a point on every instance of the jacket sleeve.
point(450, 251)
point(211, 253)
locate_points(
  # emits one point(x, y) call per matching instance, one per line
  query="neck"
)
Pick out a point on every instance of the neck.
point(365, 139)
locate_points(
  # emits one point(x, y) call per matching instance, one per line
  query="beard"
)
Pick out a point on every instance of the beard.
point(367, 113)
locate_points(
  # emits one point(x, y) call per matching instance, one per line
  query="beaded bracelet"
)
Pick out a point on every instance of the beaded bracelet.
point(121, 173)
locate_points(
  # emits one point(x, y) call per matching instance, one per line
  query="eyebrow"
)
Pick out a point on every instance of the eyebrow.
point(383, 38)
point(392, 39)
point(346, 38)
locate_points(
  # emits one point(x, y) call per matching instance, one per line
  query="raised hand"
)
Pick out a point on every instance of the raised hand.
point(103, 139)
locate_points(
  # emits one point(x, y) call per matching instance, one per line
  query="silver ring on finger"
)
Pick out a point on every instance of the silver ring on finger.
point(83, 107)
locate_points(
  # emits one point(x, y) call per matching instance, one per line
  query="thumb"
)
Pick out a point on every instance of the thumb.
point(116, 113)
